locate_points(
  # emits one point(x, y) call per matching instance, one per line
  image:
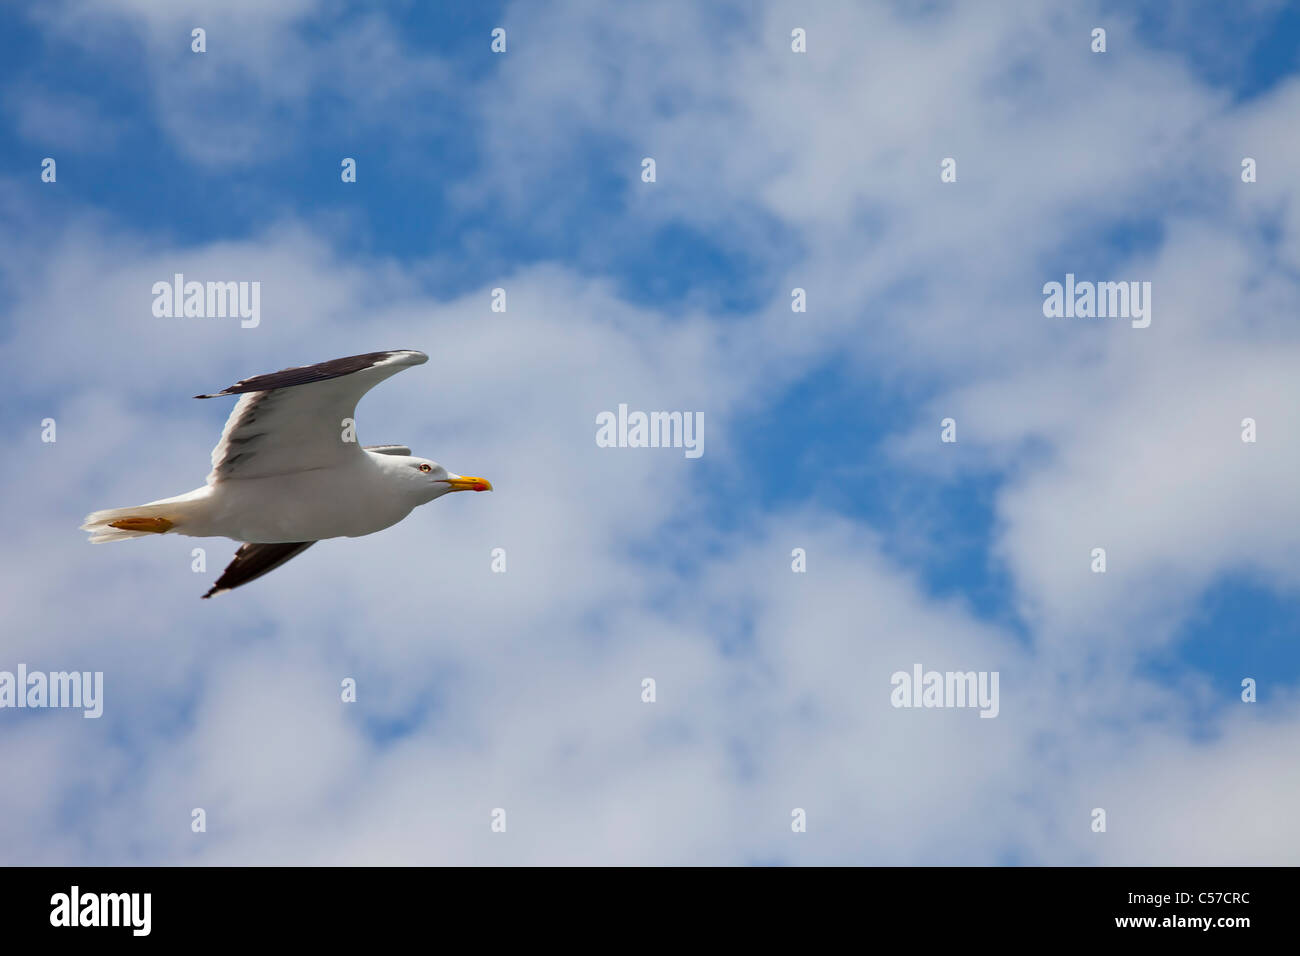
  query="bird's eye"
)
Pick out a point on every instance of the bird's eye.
point(426, 467)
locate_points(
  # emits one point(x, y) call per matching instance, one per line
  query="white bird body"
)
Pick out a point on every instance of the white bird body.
point(288, 472)
point(300, 506)
point(314, 504)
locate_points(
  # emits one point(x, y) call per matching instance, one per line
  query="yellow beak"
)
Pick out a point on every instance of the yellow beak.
point(469, 483)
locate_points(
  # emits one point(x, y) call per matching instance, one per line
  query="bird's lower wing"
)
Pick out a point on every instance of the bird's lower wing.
point(254, 560)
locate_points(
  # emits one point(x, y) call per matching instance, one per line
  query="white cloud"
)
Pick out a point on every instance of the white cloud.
point(259, 77)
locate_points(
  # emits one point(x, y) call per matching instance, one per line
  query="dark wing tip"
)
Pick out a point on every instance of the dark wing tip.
point(251, 561)
point(321, 371)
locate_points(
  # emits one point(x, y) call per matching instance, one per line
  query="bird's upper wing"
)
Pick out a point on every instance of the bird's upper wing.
point(254, 560)
point(294, 420)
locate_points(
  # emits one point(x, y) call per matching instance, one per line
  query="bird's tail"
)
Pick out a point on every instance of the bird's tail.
point(157, 517)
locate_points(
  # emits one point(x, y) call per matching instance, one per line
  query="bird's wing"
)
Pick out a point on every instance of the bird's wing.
point(293, 420)
point(254, 560)
point(389, 449)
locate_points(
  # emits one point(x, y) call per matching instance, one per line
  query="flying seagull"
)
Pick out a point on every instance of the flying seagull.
point(288, 472)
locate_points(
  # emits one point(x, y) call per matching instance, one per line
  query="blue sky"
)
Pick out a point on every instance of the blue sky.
point(775, 170)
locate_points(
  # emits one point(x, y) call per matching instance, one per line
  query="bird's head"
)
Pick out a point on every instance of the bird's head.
point(434, 481)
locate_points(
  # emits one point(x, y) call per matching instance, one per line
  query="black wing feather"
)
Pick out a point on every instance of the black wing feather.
point(254, 560)
point(305, 374)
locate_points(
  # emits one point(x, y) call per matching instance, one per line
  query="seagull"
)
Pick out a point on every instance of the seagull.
point(288, 471)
